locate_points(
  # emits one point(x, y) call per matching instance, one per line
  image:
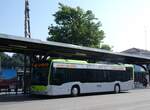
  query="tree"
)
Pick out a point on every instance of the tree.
point(14, 61)
point(17, 60)
point(106, 47)
point(76, 26)
point(5, 60)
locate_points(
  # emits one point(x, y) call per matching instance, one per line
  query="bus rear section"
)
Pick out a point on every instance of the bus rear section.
point(63, 78)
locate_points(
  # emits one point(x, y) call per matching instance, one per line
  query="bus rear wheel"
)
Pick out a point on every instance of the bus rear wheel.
point(117, 88)
point(75, 91)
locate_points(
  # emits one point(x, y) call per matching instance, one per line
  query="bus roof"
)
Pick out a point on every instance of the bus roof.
point(85, 62)
point(68, 61)
point(129, 65)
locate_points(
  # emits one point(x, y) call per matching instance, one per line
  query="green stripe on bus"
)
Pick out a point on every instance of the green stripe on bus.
point(38, 88)
point(68, 61)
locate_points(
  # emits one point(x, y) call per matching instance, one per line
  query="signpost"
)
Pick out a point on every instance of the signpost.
point(27, 34)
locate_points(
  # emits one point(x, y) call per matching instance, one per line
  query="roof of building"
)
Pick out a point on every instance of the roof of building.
point(136, 51)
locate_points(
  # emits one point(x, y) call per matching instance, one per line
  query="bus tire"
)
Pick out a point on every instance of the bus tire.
point(117, 88)
point(75, 91)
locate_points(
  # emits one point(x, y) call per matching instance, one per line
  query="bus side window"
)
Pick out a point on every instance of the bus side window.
point(105, 76)
point(58, 76)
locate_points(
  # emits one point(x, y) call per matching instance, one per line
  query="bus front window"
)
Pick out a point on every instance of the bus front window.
point(40, 76)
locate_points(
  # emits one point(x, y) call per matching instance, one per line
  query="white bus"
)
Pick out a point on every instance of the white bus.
point(73, 77)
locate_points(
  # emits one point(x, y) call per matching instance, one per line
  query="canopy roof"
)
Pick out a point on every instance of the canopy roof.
point(10, 43)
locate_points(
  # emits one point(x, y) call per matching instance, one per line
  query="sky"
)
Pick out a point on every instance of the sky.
point(126, 23)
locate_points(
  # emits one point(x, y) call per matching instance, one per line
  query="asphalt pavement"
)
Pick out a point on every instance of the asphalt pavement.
point(138, 99)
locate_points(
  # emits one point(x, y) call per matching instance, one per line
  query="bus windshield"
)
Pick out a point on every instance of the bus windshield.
point(40, 76)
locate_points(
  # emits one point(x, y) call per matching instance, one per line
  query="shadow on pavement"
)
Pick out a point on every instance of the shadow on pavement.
point(18, 98)
point(22, 97)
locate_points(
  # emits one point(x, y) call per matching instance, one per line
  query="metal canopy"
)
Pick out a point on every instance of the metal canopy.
point(10, 43)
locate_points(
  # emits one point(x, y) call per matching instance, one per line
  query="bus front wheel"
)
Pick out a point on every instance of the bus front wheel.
point(75, 91)
point(117, 88)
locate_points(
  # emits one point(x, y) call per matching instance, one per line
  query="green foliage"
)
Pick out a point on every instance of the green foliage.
point(5, 60)
point(106, 47)
point(9, 62)
point(18, 60)
point(76, 26)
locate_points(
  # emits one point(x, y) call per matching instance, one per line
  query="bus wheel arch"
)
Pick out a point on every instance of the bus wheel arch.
point(75, 90)
point(117, 88)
